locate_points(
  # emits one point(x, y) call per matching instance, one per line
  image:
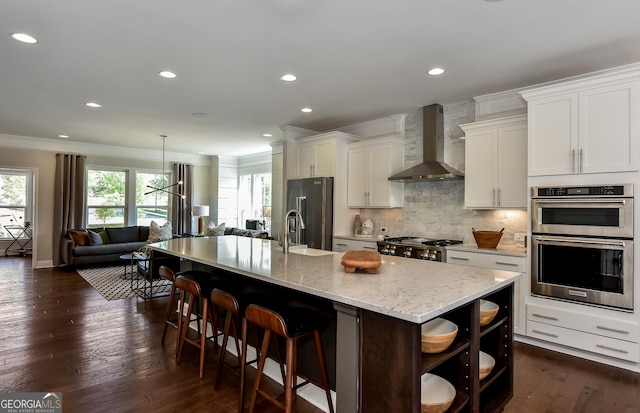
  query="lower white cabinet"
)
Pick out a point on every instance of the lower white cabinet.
point(346, 244)
point(603, 335)
point(499, 261)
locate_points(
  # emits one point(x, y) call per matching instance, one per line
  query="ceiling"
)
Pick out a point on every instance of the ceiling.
point(356, 60)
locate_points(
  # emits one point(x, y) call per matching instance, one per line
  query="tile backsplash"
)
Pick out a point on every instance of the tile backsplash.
point(436, 209)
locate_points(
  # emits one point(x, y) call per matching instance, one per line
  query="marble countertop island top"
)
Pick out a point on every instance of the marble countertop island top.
point(407, 289)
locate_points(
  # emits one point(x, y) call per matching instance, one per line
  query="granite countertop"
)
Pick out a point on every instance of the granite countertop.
point(411, 290)
point(500, 249)
point(371, 238)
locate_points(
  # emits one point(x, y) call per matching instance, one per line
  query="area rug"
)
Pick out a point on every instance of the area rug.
point(110, 283)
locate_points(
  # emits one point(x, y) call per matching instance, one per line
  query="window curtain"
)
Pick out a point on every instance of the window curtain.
point(181, 217)
point(69, 200)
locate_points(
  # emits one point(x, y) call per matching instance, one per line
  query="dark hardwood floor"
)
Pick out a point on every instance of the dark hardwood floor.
point(58, 334)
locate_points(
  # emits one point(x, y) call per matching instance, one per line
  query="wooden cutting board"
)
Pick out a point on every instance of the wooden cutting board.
point(369, 261)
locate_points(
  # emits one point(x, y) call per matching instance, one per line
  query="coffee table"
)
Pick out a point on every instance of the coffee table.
point(131, 261)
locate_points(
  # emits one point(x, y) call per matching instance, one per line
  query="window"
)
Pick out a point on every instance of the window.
point(16, 189)
point(106, 196)
point(153, 206)
point(254, 198)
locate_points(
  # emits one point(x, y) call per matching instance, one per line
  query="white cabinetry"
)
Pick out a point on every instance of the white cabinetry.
point(496, 163)
point(347, 244)
point(598, 334)
point(319, 155)
point(499, 261)
point(590, 125)
point(370, 165)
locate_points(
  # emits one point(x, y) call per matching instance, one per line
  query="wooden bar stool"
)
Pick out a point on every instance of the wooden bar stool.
point(198, 284)
point(234, 301)
point(292, 323)
point(169, 275)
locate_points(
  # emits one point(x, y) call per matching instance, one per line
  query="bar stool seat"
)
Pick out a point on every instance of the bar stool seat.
point(198, 284)
point(292, 323)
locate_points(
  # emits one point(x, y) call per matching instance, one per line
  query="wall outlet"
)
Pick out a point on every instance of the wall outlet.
point(519, 237)
point(383, 229)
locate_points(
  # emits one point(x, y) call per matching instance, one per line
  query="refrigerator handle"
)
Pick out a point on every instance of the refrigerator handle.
point(300, 200)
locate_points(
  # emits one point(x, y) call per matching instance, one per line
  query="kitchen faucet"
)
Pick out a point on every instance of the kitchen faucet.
point(285, 235)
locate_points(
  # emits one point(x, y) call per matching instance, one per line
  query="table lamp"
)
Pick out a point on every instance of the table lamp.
point(200, 211)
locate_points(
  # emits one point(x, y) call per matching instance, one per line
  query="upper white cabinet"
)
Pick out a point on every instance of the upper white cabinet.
point(496, 163)
point(589, 125)
point(370, 164)
point(318, 155)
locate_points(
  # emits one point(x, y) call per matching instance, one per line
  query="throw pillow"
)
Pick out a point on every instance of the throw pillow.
point(215, 231)
point(159, 233)
point(104, 236)
point(94, 238)
point(79, 236)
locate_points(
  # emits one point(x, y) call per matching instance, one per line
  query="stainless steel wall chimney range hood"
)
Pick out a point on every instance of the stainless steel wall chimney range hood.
point(433, 166)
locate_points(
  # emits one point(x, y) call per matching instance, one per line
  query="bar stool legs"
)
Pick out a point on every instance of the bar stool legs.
point(169, 275)
point(292, 324)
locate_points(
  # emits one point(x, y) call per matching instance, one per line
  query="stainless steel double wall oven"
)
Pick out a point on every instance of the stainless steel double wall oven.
point(582, 244)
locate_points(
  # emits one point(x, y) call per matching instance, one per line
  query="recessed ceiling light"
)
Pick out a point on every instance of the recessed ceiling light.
point(436, 71)
point(288, 77)
point(24, 38)
point(267, 135)
point(93, 105)
point(200, 152)
point(167, 74)
point(306, 110)
point(199, 114)
point(63, 136)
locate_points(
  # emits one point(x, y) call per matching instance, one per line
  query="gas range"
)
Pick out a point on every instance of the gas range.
point(416, 247)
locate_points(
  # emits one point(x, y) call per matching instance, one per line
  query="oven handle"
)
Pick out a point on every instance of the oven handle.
point(580, 201)
point(581, 241)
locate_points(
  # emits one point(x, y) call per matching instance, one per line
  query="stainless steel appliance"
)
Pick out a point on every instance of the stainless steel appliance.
point(416, 247)
point(313, 197)
point(582, 244)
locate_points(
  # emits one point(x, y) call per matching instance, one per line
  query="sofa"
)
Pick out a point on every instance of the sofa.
point(76, 249)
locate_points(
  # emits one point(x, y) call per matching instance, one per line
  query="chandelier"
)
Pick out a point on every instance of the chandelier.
point(169, 189)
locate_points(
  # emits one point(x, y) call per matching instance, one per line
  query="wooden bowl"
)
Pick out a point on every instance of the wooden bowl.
point(488, 311)
point(436, 394)
point(486, 364)
point(487, 239)
point(437, 335)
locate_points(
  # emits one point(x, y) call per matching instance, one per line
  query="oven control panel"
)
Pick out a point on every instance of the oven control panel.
point(570, 191)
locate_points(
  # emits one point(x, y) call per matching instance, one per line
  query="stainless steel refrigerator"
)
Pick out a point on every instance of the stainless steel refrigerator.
point(313, 197)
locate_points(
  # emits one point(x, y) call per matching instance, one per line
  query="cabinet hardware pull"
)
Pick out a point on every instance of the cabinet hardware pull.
point(499, 196)
point(495, 203)
point(545, 334)
point(342, 245)
point(619, 350)
point(545, 316)
point(370, 248)
point(506, 263)
point(460, 258)
point(573, 160)
point(615, 330)
point(580, 162)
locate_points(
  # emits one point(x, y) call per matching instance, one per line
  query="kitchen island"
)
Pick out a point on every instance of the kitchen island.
point(378, 359)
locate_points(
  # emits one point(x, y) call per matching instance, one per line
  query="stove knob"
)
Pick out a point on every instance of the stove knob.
point(384, 250)
point(424, 255)
point(407, 252)
point(433, 255)
point(392, 250)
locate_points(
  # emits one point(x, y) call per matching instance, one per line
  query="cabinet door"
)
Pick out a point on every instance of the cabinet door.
point(325, 164)
point(512, 167)
point(553, 135)
point(306, 160)
point(379, 187)
point(358, 177)
point(608, 129)
point(480, 170)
